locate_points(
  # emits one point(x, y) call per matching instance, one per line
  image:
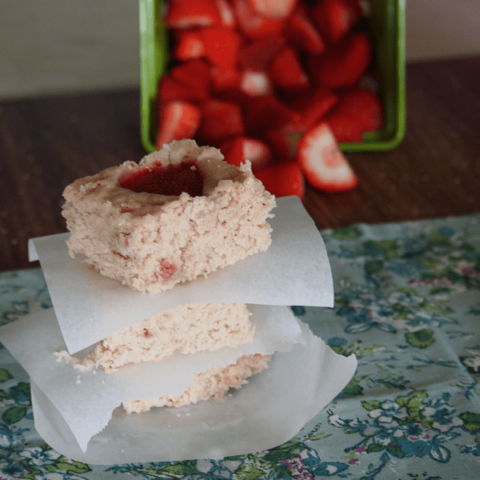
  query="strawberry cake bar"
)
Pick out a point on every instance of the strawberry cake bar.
point(180, 213)
point(214, 383)
point(188, 328)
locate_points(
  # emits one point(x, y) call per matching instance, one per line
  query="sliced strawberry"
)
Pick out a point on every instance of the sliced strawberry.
point(192, 13)
point(222, 45)
point(311, 107)
point(255, 84)
point(226, 13)
point(324, 165)
point(342, 65)
point(365, 106)
point(239, 149)
point(358, 111)
point(335, 18)
point(344, 127)
point(225, 79)
point(282, 143)
point(286, 72)
point(171, 90)
point(252, 24)
point(220, 122)
point(194, 74)
point(282, 179)
point(189, 45)
point(178, 120)
point(266, 113)
point(258, 54)
point(302, 33)
point(273, 8)
point(169, 180)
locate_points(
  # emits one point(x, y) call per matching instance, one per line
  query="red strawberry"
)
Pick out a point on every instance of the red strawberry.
point(192, 13)
point(342, 65)
point(221, 46)
point(302, 33)
point(178, 120)
point(239, 149)
point(273, 8)
point(286, 72)
point(169, 180)
point(311, 107)
point(225, 79)
point(255, 84)
point(226, 12)
point(344, 127)
point(220, 122)
point(335, 18)
point(358, 111)
point(189, 45)
point(252, 24)
point(172, 90)
point(282, 179)
point(258, 54)
point(323, 164)
point(194, 74)
point(282, 143)
point(266, 113)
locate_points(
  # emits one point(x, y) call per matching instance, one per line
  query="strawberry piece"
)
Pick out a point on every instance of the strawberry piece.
point(255, 84)
point(324, 165)
point(358, 111)
point(266, 113)
point(335, 18)
point(286, 71)
point(273, 8)
point(282, 179)
point(345, 128)
point(311, 107)
point(192, 13)
point(189, 46)
point(282, 143)
point(258, 54)
point(343, 65)
point(365, 106)
point(171, 90)
point(252, 24)
point(169, 180)
point(239, 149)
point(178, 120)
point(221, 46)
point(194, 74)
point(225, 79)
point(226, 13)
point(220, 122)
point(303, 34)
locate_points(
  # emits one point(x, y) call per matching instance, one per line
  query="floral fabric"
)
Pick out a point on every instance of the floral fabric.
point(407, 303)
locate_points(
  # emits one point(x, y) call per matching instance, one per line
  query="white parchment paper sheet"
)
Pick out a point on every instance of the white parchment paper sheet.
point(294, 271)
point(267, 412)
point(86, 400)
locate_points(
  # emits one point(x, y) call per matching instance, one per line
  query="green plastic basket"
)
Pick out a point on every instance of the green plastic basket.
point(386, 25)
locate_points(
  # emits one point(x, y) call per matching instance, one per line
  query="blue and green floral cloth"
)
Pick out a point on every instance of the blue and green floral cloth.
point(407, 304)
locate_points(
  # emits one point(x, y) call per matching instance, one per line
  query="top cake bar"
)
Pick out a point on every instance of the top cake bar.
point(180, 213)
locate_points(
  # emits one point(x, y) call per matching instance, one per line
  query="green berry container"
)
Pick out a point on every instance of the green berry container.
point(386, 25)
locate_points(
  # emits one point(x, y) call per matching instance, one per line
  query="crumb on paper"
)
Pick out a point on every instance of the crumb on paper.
point(87, 364)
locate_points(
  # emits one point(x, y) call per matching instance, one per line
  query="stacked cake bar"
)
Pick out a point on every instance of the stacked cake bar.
point(182, 212)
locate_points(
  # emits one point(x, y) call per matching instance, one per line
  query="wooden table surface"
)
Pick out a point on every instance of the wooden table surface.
point(46, 143)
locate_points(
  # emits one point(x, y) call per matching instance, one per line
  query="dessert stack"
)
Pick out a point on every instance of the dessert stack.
point(170, 292)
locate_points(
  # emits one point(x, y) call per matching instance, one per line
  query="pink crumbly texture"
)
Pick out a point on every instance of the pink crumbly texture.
point(214, 383)
point(151, 242)
point(186, 329)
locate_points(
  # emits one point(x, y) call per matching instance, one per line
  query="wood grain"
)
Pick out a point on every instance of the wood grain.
point(47, 143)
